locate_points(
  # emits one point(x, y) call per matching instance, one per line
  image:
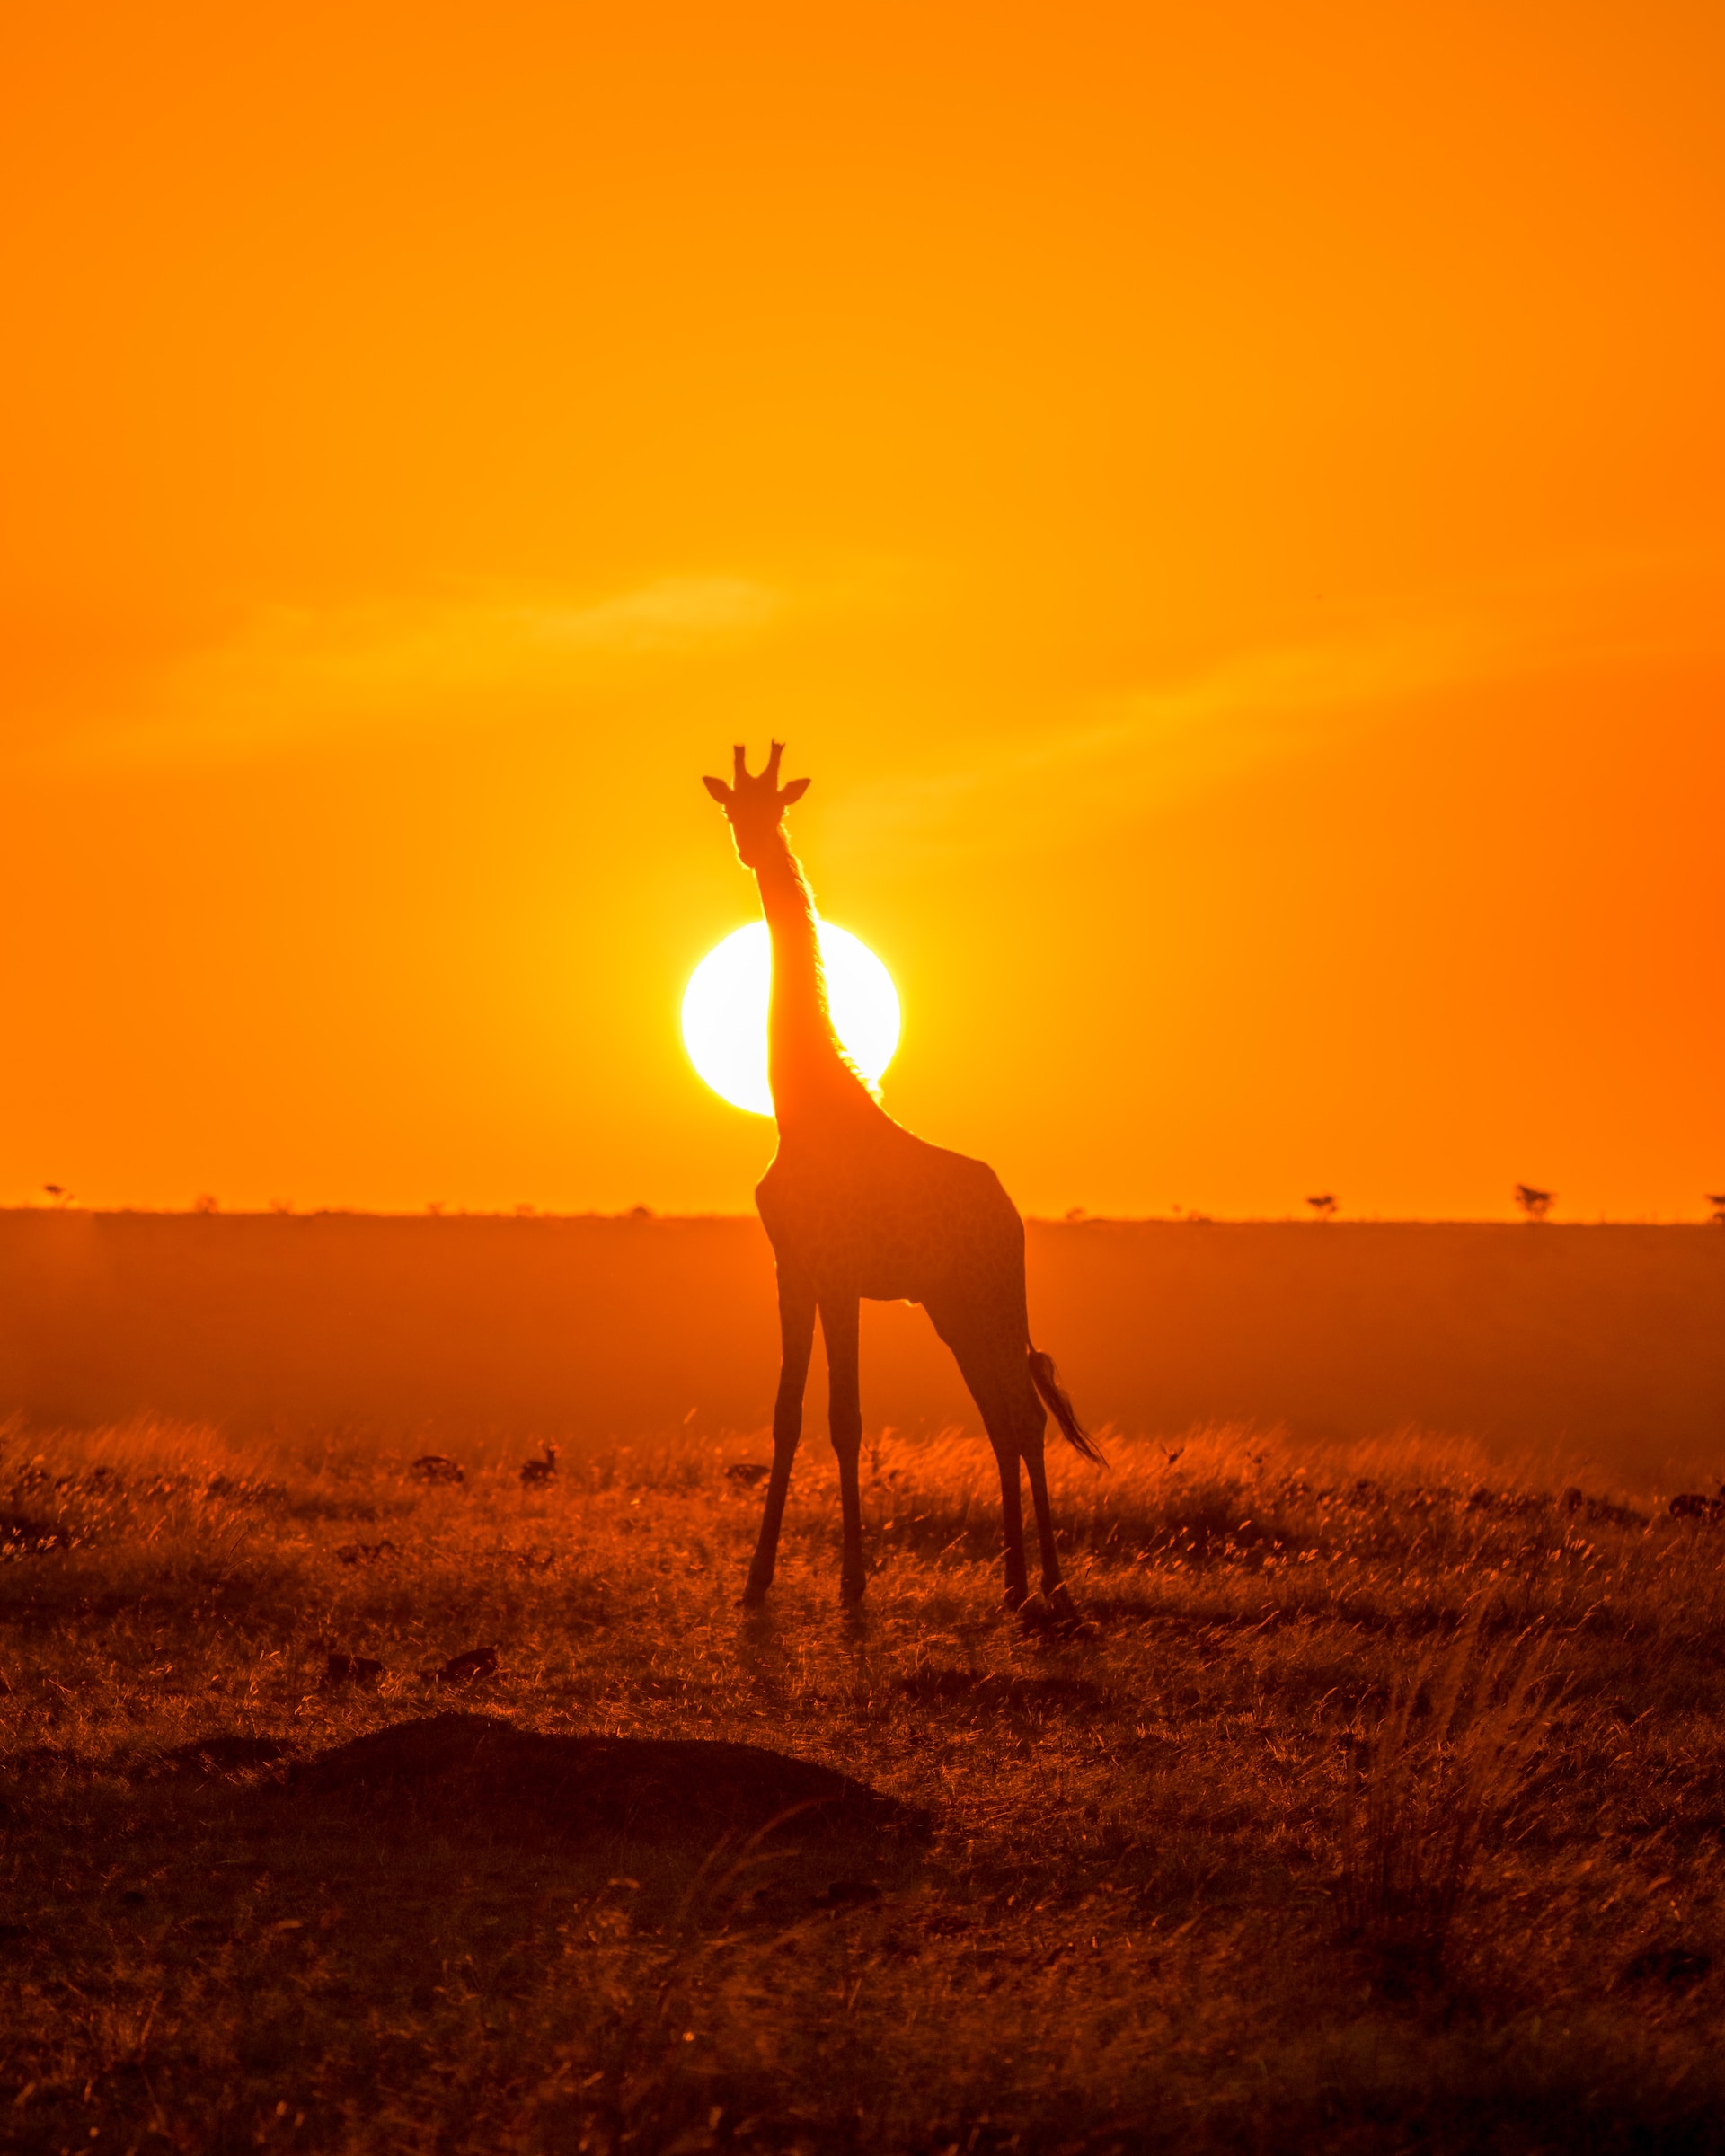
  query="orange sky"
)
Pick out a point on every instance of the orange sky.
point(1228, 504)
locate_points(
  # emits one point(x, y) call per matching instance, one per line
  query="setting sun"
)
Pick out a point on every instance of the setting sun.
point(724, 1011)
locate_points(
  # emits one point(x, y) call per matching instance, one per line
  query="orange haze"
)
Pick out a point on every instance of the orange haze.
point(1227, 503)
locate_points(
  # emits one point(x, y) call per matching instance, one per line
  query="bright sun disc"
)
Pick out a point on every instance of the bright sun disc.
point(724, 1011)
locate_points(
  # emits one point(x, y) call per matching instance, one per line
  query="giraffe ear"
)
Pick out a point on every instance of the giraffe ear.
point(720, 791)
point(793, 792)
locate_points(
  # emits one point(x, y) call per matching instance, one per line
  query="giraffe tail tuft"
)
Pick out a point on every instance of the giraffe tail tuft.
point(1057, 1401)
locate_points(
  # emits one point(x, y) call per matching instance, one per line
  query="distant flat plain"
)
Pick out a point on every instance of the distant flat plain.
point(1598, 1345)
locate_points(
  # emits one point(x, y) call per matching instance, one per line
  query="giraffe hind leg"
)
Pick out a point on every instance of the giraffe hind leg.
point(998, 1384)
point(1053, 1588)
point(1011, 1525)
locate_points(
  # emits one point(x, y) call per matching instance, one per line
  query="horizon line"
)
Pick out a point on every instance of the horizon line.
point(646, 1216)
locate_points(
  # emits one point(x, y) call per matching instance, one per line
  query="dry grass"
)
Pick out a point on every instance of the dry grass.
point(1152, 1909)
point(1444, 1767)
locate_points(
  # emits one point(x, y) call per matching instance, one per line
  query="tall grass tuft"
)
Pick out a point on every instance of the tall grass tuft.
point(1445, 1769)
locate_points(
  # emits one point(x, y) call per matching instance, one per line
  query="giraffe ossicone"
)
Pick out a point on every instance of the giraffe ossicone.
point(856, 1207)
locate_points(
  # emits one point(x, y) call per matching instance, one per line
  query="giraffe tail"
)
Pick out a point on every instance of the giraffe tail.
point(1057, 1401)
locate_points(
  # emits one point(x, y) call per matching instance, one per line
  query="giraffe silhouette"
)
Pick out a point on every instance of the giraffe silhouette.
point(855, 1205)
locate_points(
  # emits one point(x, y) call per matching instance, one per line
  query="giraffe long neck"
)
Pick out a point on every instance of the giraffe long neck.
point(812, 1079)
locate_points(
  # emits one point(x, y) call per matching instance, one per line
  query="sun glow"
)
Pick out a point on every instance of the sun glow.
point(724, 1011)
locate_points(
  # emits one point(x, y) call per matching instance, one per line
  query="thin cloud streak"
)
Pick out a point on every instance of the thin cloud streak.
point(1147, 750)
point(297, 677)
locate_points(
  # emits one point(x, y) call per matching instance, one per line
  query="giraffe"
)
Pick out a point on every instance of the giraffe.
point(855, 1205)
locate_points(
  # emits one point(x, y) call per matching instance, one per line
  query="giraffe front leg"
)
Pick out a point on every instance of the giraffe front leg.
point(838, 1326)
point(797, 1336)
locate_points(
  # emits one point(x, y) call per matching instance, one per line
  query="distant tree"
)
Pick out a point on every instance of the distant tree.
point(205, 1203)
point(1716, 1199)
point(61, 1195)
point(1534, 1203)
point(1324, 1205)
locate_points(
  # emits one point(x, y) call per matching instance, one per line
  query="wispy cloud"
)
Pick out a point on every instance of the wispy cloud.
point(1151, 747)
point(293, 676)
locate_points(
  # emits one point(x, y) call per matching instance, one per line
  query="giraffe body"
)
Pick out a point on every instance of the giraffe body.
point(856, 1207)
point(894, 1219)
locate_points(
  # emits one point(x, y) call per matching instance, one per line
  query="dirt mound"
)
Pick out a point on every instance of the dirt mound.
point(476, 1773)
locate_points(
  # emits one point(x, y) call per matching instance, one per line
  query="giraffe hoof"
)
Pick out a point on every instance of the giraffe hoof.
point(754, 1593)
point(1016, 1595)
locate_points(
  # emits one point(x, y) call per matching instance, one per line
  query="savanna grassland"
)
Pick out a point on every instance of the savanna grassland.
point(1375, 1804)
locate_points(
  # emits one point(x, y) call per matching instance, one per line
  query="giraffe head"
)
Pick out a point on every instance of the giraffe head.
point(757, 805)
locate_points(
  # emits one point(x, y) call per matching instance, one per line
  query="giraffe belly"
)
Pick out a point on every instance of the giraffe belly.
point(889, 1288)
